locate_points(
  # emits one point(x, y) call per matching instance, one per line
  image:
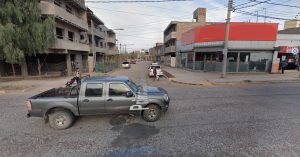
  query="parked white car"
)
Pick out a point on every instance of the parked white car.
point(125, 64)
point(158, 69)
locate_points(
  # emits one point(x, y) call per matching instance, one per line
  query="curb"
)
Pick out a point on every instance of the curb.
point(237, 82)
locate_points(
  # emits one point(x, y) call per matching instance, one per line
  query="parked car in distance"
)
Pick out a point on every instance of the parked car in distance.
point(133, 61)
point(158, 69)
point(96, 96)
point(126, 64)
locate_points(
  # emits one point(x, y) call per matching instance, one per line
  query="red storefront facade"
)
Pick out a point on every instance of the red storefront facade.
point(251, 47)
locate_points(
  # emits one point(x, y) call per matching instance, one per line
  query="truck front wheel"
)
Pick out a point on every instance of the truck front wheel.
point(61, 119)
point(152, 114)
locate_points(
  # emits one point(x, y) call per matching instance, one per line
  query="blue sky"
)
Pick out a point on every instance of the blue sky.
point(143, 23)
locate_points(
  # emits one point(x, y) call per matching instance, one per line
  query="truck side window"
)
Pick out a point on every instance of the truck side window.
point(118, 89)
point(94, 90)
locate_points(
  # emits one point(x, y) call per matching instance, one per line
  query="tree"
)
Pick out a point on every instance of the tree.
point(23, 31)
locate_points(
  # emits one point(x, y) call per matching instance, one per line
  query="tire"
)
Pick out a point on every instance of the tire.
point(152, 114)
point(61, 119)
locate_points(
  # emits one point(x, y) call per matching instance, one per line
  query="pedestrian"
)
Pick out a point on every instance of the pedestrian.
point(283, 66)
point(154, 73)
point(77, 76)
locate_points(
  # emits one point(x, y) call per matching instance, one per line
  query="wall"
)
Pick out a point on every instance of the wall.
point(239, 31)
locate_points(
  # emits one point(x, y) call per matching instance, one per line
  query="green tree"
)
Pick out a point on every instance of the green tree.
point(23, 30)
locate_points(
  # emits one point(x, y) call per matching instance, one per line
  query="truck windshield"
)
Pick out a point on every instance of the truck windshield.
point(132, 85)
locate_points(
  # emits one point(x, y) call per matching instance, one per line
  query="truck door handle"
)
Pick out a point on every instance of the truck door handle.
point(86, 100)
point(109, 99)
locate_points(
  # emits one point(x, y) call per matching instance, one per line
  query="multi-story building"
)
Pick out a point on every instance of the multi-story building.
point(102, 41)
point(292, 24)
point(70, 48)
point(156, 52)
point(73, 47)
point(173, 32)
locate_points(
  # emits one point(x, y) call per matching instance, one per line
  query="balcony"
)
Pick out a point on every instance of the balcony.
point(112, 51)
point(170, 49)
point(69, 45)
point(170, 36)
point(111, 40)
point(52, 9)
point(97, 32)
point(99, 49)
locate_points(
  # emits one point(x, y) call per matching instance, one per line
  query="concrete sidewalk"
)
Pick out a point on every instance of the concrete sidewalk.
point(183, 76)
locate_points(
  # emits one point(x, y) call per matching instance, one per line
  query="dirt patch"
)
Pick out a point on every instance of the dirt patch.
point(15, 87)
point(133, 133)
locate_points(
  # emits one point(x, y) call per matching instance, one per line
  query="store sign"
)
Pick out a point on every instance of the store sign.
point(286, 49)
point(294, 50)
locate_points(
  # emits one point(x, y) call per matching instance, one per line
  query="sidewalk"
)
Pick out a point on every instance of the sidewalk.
point(183, 76)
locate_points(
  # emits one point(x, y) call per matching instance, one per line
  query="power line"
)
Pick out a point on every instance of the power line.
point(280, 4)
point(252, 4)
point(137, 1)
point(258, 15)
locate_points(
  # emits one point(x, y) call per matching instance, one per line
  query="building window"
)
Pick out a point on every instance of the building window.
point(97, 42)
point(94, 90)
point(71, 36)
point(81, 37)
point(57, 2)
point(101, 44)
point(69, 9)
point(59, 33)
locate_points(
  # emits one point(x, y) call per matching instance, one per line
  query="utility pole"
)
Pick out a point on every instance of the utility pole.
point(225, 50)
point(93, 46)
point(265, 9)
point(256, 16)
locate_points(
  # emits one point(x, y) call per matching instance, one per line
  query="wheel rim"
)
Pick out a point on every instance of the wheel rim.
point(152, 113)
point(60, 120)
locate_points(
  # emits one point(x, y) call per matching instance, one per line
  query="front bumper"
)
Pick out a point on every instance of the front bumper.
point(166, 105)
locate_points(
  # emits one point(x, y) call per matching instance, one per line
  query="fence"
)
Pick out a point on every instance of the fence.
point(106, 67)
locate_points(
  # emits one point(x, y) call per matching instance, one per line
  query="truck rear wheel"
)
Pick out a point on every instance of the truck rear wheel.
point(152, 114)
point(61, 119)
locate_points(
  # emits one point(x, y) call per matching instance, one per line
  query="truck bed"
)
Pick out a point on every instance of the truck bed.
point(58, 92)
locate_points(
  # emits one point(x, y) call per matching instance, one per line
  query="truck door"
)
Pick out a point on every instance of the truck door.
point(117, 101)
point(91, 100)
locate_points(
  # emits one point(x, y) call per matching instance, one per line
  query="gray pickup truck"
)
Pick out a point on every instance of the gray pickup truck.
point(98, 95)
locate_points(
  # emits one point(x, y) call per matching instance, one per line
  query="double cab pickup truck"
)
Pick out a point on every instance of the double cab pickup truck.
point(95, 96)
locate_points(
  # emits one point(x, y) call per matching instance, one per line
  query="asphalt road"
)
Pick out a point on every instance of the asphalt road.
point(244, 120)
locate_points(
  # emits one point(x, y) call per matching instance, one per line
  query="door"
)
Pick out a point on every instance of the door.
point(92, 100)
point(117, 101)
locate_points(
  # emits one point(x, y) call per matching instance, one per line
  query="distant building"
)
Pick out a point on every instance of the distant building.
point(156, 52)
point(292, 24)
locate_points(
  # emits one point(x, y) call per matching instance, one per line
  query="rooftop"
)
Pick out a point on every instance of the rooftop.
point(290, 31)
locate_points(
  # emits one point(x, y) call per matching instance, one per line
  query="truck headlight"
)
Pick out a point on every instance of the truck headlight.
point(166, 97)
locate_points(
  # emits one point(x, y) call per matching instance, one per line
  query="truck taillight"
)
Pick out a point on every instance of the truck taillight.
point(28, 104)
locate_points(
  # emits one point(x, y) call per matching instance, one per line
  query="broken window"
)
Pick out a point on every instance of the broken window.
point(71, 36)
point(59, 33)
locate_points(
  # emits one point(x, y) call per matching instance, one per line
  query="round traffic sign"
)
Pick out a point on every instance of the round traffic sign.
point(295, 51)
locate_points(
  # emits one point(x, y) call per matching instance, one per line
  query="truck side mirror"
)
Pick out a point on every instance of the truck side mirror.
point(129, 94)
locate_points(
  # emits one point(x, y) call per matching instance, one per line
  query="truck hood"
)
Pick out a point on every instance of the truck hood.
point(150, 89)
